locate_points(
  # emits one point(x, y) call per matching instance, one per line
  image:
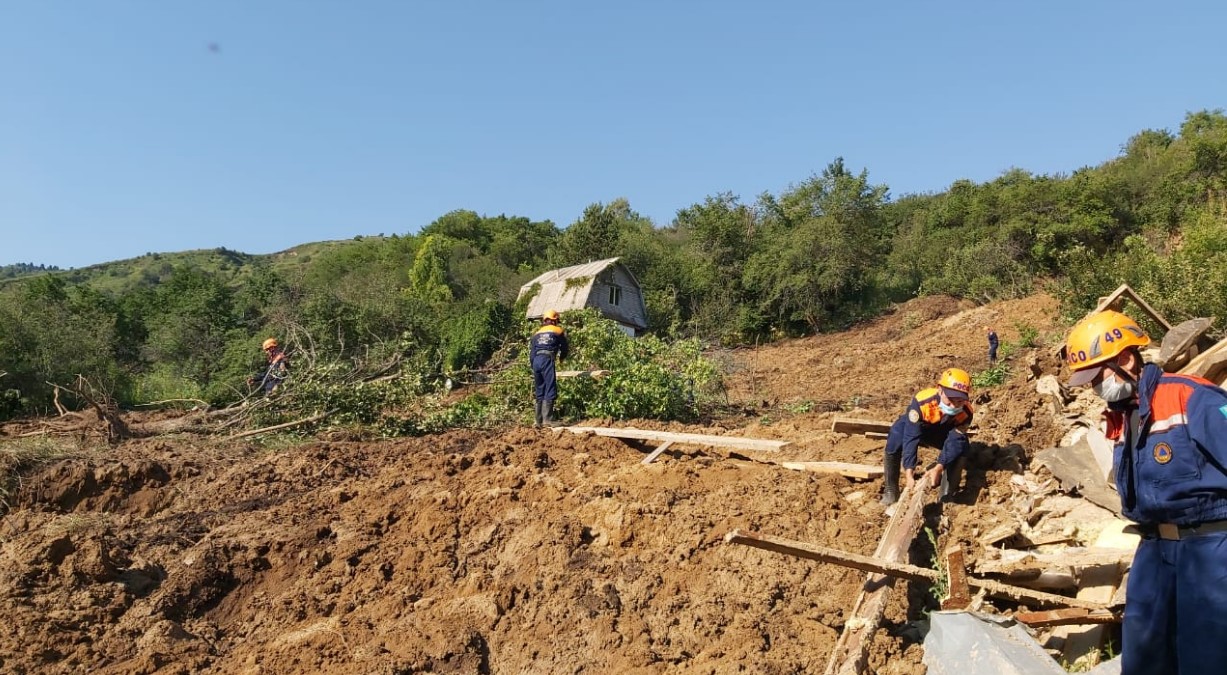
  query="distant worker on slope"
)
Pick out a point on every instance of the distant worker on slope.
point(936, 417)
point(1170, 461)
point(277, 370)
point(548, 343)
point(992, 346)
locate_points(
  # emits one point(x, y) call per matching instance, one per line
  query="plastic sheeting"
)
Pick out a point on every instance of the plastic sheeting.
point(965, 643)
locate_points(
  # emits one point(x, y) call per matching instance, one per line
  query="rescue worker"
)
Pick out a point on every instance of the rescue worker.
point(936, 417)
point(1170, 462)
point(992, 346)
point(277, 370)
point(546, 345)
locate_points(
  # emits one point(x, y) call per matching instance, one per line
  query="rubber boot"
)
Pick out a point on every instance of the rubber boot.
point(537, 403)
point(890, 491)
point(952, 478)
point(547, 413)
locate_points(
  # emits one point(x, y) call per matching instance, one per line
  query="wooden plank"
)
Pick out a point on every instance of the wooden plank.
point(851, 426)
point(656, 453)
point(1207, 363)
point(846, 469)
point(1114, 301)
point(1097, 584)
point(692, 439)
point(582, 373)
point(1065, 617)
point(958, 594)
point(851, 651)
point(1071, 556)
point(885, 567)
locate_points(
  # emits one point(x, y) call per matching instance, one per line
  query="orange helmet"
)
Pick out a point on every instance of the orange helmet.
point(1098, 339)
point(269, 343)
point(550, 315)
point(956, 381)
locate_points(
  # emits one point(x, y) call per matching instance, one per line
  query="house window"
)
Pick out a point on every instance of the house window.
point(615, 295)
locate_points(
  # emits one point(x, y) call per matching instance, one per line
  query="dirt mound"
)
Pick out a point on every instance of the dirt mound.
point(505, 552)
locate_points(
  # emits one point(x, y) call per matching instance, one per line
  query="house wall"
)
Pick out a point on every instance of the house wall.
point(630, 309)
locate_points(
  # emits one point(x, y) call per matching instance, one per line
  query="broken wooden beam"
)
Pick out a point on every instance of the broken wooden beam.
point(851, 652)
point(1115, 299)
point(896, 569)
point(692, 439)
point(852, 426)
point(1066, 617)
point(656, 453)
point(846, 469)
point(958, 593)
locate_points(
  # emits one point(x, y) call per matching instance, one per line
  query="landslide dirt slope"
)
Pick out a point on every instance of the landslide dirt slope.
point(518, 551)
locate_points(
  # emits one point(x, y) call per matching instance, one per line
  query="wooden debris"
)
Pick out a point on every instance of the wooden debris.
point(958, 594)
point(582, 373)
point(1116, 299)
point(1210, 364)
point(862, 471)
point(280, 427)
point(851, 652)
point(656, 453)
point(1065, 617)
point(1026, 562)
point(851, 426)
point(903, 570)
point(692, 439)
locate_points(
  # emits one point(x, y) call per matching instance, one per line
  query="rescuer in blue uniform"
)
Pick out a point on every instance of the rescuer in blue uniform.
point(936, 417)
point(548, 344)
point(1170, 464)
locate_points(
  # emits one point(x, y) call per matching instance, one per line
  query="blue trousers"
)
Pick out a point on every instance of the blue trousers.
point(1176, 607)
point(545, 382)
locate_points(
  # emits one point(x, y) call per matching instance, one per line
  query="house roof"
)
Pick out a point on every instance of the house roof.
point(565, 288)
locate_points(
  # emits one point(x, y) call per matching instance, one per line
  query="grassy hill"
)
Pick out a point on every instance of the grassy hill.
point(120, 276)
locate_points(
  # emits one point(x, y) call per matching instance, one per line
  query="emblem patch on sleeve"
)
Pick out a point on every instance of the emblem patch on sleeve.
point(1163, 453)
point(913, 416)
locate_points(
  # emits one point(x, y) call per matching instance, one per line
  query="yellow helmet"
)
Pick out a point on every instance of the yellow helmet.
point(550, 314)
point(956, 381)
point(269, 343)
point(1098, 339)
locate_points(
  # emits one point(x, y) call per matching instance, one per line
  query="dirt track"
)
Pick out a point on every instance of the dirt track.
point(521, 551)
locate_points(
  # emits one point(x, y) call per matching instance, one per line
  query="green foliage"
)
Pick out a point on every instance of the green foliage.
point(649, 377)
point(1028, 335)
point(471, 338)
point(941, 587)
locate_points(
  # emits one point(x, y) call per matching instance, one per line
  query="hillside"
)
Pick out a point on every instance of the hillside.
point(122, 276)
point(508, 551)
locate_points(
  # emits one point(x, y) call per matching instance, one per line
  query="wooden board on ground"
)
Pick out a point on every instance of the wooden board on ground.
point(851, 425)
point(1097, 584)
point(1065, 617)
point(1032, 563)
point(692, 439)
point(849, 470)
point(851, 651)
point(656, 453)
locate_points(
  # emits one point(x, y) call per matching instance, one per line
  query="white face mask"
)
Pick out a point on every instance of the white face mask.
point(948, 409)
point(1113, 390)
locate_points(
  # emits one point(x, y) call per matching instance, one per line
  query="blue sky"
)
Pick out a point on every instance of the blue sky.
point(128, 127)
